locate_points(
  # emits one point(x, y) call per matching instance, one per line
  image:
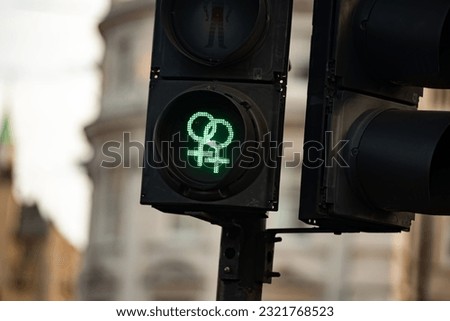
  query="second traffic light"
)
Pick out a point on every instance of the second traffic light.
point(371, 159)
point(216, 105)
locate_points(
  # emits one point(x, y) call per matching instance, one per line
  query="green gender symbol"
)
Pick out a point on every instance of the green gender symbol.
point(207, 140)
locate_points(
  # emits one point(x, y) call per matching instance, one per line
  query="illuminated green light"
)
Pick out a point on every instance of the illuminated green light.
point(207, 141)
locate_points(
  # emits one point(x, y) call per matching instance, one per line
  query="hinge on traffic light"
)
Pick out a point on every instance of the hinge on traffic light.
point(281, 81)
point(331, 83)
point(154, 73)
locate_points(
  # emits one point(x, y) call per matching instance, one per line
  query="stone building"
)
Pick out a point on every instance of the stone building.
point(138, 253)
point(36, 261)
point(8, 206)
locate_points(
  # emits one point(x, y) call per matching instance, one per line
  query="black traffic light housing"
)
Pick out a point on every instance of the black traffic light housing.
point(216, 105)
point(371, 159)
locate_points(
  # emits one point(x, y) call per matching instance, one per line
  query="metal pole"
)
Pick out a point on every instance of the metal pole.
point(243, 259)
point(247, 252)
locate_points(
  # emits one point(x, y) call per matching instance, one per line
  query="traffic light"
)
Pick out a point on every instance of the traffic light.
point(371, 159)
point(216, 105)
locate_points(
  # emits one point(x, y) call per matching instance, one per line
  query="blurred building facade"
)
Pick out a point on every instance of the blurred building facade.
point(36, 261)
point(137, 253)
point(134, 252)
point(8, 206)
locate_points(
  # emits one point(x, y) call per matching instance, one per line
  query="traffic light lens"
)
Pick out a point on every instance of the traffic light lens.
point(198, 137)
point(211, 142)
point(215, 31)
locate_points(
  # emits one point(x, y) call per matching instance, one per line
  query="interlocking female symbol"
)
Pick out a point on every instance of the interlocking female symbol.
point(207, 156)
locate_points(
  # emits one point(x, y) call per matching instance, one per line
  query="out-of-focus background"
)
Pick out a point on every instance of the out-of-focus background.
point(74, 76)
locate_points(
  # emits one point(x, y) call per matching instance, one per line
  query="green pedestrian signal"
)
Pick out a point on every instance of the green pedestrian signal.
point(210, 145)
